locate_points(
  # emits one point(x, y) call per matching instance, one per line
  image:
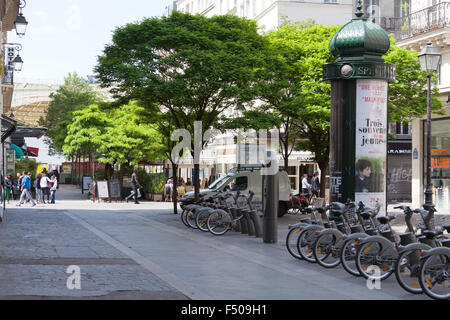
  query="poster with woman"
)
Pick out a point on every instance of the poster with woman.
point(371, 142)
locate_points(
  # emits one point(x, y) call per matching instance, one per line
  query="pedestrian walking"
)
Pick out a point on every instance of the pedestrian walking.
point(45, 181)
point(134, 186)
point(316, 185)
point(53, 189)
point(37, 186)
point(25, 188)
point(306, 187)
point(168, 190)
point(8, 187)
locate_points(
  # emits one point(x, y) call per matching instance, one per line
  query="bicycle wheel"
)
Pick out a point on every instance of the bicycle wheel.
point(305, 242)
point(348, 254)
point(407, 271)
point(326, 251)
point(202, 218)
point(183, 217)
point(373, 262)
point(219, 223)
point(190, 218)
point(434, 276)
point(291, 243)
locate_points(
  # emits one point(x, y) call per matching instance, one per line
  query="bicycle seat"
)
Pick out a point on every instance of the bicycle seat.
point(446, 227)
point(432, 234)
point(309, 210)
point(385, 220)
point(321, 209)
point(337, 206)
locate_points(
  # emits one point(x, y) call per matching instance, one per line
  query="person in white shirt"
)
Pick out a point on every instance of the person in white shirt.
point(306, 187)
point(45, 187)
point(53, 189)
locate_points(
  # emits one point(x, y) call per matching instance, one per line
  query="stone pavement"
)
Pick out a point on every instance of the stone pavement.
point(128, 251)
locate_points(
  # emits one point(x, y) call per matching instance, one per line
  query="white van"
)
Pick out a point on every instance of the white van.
point(245, 180)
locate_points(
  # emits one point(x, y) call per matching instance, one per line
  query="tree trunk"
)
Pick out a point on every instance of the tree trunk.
point(324, 166)
point(121, 176)
point(197, 181)
point(175, 190)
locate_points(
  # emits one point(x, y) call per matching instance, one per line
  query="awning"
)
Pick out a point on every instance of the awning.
point(19, 152)
point(32, 152)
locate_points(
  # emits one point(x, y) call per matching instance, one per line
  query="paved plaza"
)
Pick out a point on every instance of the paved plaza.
point(128, 251)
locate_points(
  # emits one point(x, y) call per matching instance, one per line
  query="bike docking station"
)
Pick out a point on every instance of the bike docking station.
point(359, 119)
point(270, 199)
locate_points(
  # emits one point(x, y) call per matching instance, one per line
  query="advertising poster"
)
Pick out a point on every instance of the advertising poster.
point(41, 167)
point(371, 142)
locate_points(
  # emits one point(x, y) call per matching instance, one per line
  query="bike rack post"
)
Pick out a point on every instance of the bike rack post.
point(234, 213)
point(257, 223)
point(270, 201)
point(251, 227)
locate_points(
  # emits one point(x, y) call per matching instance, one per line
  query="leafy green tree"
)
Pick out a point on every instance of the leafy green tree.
point(120, 136)
point(193, 67)
point(75, 92)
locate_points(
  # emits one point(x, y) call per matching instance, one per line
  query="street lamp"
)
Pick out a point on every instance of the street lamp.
point(429, 59)
point(238, 110)
point(18, 63)
point(21, 23)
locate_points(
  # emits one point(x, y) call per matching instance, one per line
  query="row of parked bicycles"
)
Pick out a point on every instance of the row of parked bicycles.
point(366, 245)
point(222, 212)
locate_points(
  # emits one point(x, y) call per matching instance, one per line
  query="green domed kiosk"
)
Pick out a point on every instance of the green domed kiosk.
point(359, 97)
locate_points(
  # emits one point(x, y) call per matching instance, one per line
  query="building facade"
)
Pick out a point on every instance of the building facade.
point(272, 13)
point(420, 22)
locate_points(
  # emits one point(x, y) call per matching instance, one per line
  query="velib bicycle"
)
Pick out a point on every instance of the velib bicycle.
point(221, 221)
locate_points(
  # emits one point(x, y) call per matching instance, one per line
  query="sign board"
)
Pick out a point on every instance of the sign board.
point(66, 169)
point(114, 189)
point(440, 159)
point(41, 167)
point(87, 181)
point(103, 190)
point(371, 142)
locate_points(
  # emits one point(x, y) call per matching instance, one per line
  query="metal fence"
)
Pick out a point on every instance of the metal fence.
point(426, 20)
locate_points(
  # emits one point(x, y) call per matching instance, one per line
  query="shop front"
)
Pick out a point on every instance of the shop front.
point(440, 162)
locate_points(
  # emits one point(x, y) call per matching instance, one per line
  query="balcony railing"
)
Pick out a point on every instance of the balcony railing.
point(426, 20)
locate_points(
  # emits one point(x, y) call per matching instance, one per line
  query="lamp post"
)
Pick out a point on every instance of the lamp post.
point(21, 23)
point(429, 59)
point(238, 112)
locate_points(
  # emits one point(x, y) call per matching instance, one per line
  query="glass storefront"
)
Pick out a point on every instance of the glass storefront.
point(440, 162)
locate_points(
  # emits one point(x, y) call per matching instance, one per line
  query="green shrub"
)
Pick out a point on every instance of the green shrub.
point(27, 165)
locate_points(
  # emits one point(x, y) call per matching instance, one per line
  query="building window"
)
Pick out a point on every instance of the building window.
point(402, 8)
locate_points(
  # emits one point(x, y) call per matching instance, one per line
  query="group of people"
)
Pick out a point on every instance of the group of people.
point(311, 189)
point(45, 187)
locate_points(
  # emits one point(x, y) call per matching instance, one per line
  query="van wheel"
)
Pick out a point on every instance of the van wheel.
point(282, 209)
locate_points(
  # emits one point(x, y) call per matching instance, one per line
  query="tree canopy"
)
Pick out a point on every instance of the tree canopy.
point(75, 92)
point(192, 67)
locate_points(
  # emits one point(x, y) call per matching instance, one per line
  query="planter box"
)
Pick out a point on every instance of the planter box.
point(157, 197)
point(149, 196)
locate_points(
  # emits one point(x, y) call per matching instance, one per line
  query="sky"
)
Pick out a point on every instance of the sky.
point(67, 35)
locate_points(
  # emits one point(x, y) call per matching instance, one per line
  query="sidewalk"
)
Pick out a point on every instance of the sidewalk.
point(128, 251)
